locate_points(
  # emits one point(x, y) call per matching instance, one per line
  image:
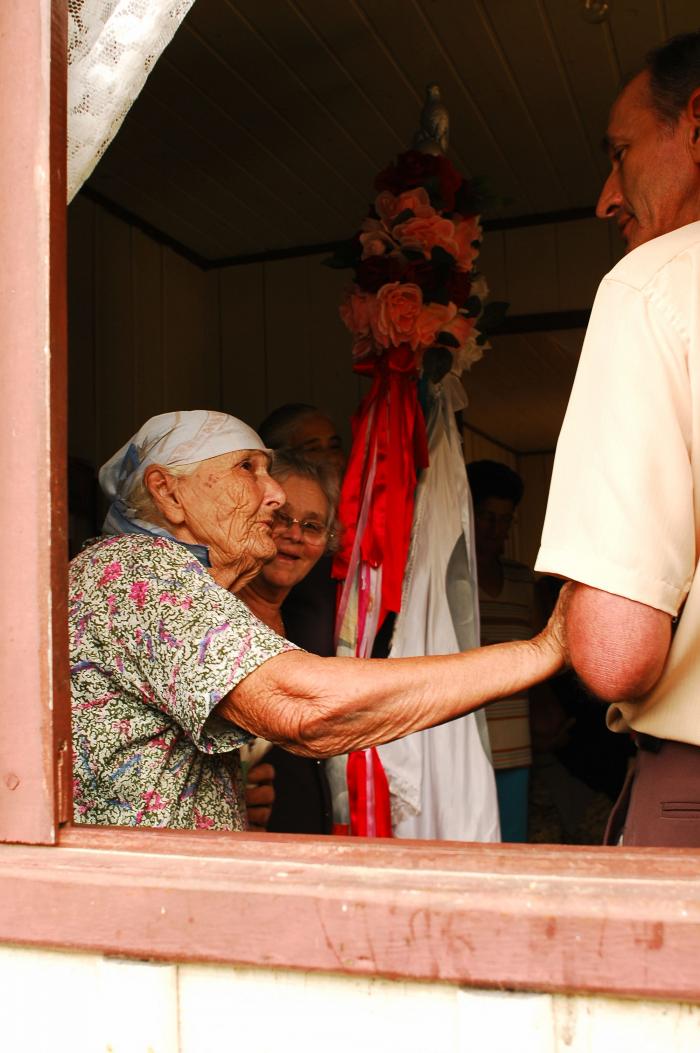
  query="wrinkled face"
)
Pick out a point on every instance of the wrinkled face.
point(229, 504)
point(316, 438)
point(493, 518)
point(298, 550)
point(653, 185)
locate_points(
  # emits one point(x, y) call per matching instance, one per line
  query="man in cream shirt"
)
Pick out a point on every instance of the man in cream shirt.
point(623, 518)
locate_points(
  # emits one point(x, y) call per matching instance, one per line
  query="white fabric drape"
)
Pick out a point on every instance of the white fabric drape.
point(112, 47)
point(441, 780)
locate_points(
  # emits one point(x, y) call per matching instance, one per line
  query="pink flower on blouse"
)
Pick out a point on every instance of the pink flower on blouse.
point(154, 801)
point(202, 822)
point(111, 572)
point(139, 593)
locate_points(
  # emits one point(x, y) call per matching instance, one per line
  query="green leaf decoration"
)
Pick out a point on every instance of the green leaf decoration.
point(448, 339)
point(472, 308)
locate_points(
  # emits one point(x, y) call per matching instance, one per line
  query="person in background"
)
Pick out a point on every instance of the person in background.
point(309, 609)
point(304, 529)
point(306, 430)
point(507, 612)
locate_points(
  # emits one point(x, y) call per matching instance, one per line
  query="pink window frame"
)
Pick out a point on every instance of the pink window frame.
point(538, 918)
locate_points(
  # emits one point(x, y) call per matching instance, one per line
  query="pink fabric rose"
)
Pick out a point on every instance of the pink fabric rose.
point(460, 327)
point(398, 307)
point(356, 312)
point(434, 318)
point(389, 206)
point(375, 243)
point(362, 348)
point(466, 232)
point(424, 234)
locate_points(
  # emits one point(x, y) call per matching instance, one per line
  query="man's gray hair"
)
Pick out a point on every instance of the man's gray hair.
point(674, 71)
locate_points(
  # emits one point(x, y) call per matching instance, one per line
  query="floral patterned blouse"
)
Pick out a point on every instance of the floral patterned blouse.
point(155, 644)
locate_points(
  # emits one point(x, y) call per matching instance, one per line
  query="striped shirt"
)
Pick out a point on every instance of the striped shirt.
point(509, 616)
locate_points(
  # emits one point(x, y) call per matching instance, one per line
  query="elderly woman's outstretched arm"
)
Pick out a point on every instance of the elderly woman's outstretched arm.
point(320, 707)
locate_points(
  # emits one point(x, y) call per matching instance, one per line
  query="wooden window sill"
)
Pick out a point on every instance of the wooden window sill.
point(549, 918)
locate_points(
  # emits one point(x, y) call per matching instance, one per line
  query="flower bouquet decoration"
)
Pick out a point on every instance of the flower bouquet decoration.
point(415, 311)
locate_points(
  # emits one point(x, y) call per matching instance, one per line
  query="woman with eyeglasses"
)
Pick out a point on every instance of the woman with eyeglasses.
point(304, 528)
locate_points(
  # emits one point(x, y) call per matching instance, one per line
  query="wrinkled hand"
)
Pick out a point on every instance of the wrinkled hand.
point(260, 795)
point(554, 632)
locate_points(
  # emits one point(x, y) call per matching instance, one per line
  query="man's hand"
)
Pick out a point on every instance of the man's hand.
point(260, 795)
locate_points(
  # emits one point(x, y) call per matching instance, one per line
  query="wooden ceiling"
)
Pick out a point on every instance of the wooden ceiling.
point(263, 125)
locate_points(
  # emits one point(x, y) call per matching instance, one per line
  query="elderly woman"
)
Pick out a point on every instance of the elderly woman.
point(304, 530)
point(172, 673)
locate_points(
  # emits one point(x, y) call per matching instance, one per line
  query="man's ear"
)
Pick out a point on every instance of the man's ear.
point(693, 114)
point(164, 491)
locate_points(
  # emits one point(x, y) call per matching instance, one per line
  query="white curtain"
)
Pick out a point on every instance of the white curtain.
point(112, 47)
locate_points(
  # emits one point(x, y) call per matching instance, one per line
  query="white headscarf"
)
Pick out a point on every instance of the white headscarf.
point(170, 439)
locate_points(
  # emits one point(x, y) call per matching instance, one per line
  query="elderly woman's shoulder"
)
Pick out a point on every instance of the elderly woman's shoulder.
point(119, 550)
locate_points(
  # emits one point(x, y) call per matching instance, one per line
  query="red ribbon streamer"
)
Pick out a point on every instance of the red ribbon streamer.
point(390, 423)
point(370, 810)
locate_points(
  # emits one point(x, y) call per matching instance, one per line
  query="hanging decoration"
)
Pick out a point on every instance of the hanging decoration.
point(415, 311)
point(415, 289)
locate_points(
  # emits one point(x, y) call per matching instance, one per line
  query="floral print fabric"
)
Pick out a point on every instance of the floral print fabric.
point(155, 644)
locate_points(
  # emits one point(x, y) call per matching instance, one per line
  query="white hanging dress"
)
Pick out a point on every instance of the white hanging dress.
point(441, 780)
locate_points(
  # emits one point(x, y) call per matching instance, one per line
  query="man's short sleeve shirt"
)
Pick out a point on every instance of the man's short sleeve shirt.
point(624, 506)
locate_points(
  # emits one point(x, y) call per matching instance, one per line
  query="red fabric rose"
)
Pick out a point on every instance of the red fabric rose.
point(375, 271)
point(459, 287)
point(450, 182)
point(412, 168)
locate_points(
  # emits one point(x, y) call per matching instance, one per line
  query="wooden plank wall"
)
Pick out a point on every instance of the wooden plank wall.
point(150, 332)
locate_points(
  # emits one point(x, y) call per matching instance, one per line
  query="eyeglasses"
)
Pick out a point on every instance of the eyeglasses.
point(313, 532)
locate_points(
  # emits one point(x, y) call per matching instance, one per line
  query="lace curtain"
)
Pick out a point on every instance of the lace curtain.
point(112, 47)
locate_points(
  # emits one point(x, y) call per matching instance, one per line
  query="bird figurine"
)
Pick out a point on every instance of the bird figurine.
point(434, 133)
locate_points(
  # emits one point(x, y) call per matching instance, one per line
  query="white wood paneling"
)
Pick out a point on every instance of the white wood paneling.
point(209, 1009)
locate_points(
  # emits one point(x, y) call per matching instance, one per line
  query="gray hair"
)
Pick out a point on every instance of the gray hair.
point(289, 462)
point(140, 503)
point(674, 72)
